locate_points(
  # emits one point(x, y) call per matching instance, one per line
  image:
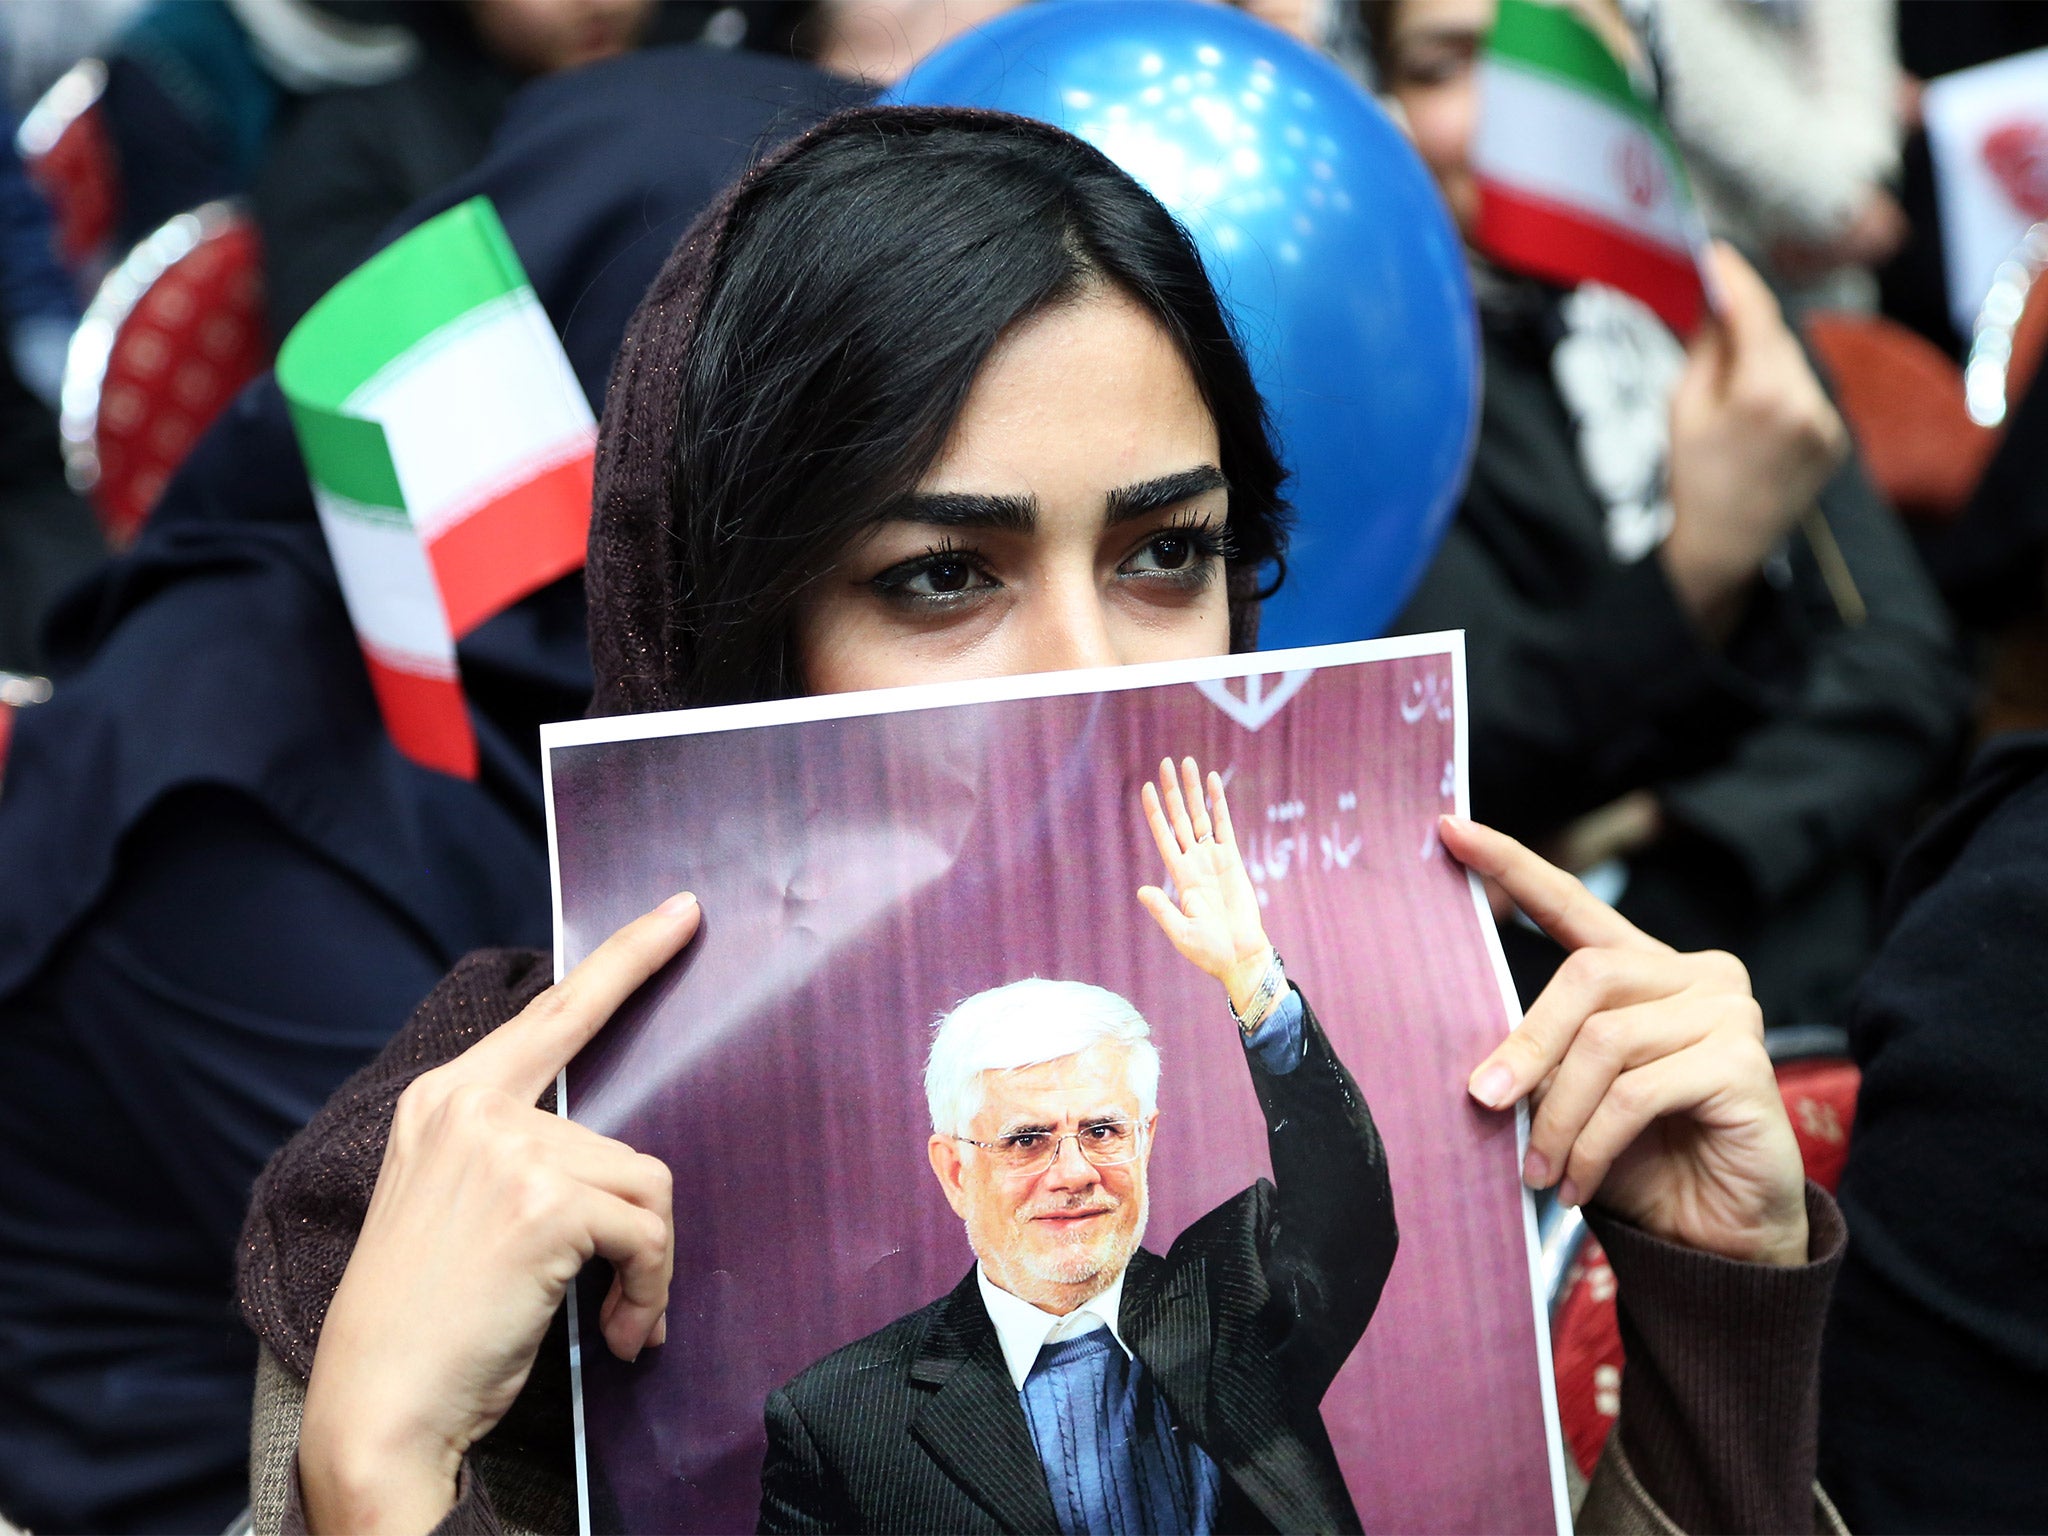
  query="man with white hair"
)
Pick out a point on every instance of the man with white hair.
point(1074, 1381)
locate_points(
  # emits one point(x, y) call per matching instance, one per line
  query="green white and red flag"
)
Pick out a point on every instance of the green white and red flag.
point(450, 449)
point(1579, 179)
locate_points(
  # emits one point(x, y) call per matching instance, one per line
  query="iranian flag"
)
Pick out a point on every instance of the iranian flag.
point(1579, 179)
point(450, 450)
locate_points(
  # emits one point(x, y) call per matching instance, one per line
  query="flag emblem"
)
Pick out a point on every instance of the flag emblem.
point(1579, 178)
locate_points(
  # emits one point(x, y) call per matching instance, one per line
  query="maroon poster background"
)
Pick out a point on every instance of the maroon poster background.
point(859, 876)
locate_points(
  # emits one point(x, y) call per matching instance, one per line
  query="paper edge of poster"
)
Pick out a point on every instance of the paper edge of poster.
point(992, 690)
point(1511, 1004)
point(639, 727)
point(547, 791)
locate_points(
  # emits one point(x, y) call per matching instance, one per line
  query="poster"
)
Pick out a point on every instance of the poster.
point(865, 862)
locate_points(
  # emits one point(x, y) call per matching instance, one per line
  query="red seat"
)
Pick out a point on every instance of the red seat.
point(174, 332)
point(1585, 1331)
point(1903, 400)
point(1820, 1096)
point(64, 143)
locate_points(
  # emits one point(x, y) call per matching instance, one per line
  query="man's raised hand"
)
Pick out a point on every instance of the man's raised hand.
point(1646, 1070)
point(1216, 922)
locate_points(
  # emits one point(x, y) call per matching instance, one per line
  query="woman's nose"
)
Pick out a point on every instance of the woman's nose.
point(1068, 627)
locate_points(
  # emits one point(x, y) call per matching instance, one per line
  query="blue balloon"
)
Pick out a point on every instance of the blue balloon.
point(1326, 238)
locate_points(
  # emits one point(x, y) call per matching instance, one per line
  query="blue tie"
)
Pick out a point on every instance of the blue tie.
point(1113, 1460)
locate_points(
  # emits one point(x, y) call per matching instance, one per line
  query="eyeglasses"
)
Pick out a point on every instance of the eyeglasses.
point(1105, 1143)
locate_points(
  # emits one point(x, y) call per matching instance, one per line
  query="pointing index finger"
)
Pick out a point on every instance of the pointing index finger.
point(1555, 901)
point(523, 1055)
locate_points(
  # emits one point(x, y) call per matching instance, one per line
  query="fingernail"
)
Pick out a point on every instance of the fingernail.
point(1535, 1169)
point(660, 1334)
point(1568, 1193)
point(1493, 1086)
point(677, 904)
point(1460, 822)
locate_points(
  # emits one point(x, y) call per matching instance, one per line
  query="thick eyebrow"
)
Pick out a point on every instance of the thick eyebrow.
point(1129, 501)
point(1019, 514)
point(965, 509)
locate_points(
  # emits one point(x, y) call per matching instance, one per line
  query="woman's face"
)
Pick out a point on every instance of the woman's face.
point(1075, 519)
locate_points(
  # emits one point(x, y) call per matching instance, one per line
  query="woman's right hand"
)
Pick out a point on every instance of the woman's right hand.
point(485, 1210)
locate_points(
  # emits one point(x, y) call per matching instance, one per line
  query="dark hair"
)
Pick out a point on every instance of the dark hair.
point(860, 287)
point(1377, 18)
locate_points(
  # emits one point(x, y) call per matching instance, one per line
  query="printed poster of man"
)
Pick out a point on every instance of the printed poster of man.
point(1055, 1068)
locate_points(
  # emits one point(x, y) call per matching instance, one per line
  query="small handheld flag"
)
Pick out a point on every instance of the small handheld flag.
point(1579, 179)
point(450, 449)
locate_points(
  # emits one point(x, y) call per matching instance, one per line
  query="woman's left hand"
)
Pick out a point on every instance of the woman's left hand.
point(1646, 1070)
point(1216, 923)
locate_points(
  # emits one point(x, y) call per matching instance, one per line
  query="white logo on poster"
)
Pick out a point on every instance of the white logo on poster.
point(1431, 695)
point(1258, 704)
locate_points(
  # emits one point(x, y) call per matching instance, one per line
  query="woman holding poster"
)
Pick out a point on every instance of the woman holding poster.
point(937, 393)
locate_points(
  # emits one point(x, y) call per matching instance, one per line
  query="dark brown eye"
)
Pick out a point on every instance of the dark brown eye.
point(1187, 554)
point(937, 577)
point(948, 575)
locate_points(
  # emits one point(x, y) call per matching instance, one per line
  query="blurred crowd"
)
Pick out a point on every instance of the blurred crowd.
point(1739, 612)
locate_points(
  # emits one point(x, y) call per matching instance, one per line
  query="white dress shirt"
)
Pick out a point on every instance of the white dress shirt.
point(1023, 1330)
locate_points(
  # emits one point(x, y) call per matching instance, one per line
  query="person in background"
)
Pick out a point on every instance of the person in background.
point(224, 889)
point(1788, 117)
point(194, 89)
point(1720, 703)
point(1934, 1384)
point(345, 163)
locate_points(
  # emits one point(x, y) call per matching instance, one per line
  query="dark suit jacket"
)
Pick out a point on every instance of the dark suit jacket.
point(1243, 1324)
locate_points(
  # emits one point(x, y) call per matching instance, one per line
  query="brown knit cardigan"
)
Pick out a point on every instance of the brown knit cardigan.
point(1719, 1402)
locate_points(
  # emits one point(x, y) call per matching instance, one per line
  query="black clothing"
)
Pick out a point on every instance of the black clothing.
point(1991, 563)
point(348, 162)
point(48, 538)
point(224, 888)
point(1243, 1325)
point(1783, 763)
point(1934, 1388)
